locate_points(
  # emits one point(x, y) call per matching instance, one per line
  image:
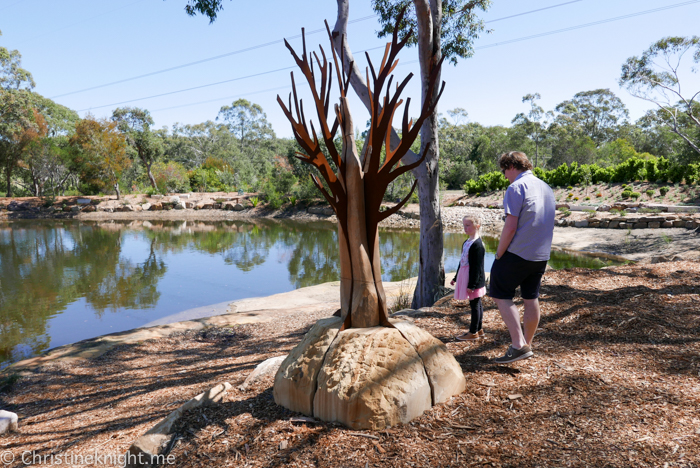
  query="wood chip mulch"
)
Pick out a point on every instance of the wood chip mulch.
point(615, 382)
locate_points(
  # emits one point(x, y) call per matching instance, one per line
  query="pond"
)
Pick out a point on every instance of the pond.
point(65, 281)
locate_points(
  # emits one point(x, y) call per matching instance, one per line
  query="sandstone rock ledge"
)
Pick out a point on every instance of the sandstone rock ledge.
point(367, 378)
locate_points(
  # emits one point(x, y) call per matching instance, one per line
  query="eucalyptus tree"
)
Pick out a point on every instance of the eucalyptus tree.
point(101, 152)
point(135, 124)
point(534, 122)
point(655, 76)
point(16, 111)
point(599, 113)
point(12, 75)
point(191, 145)
point(445, 30)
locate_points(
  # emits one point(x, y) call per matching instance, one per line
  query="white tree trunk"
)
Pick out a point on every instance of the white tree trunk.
point(431, 273)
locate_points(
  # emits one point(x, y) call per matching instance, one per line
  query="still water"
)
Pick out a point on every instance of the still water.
point(65, 281)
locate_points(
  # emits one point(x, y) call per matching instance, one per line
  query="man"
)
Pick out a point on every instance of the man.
point(523, 251)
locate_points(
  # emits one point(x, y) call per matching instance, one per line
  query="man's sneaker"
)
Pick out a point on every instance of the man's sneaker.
point(513, 355)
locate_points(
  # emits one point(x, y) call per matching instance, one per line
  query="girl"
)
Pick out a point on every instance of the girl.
point(470, 277)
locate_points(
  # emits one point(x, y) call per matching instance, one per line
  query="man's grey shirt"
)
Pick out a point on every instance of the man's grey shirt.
point(532, 201)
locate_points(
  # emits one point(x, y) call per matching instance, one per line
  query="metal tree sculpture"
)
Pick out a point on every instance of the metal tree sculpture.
point(358, 183)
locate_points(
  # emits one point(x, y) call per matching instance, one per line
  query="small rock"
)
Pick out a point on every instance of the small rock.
point(84, 201)
point(8, 422)
point(266, 368)
point(146, 206)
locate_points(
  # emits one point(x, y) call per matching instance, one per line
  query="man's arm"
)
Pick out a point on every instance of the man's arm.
point(507, 235)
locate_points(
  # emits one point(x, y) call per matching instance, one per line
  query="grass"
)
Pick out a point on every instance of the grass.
point(405, 296)
point(6, 383)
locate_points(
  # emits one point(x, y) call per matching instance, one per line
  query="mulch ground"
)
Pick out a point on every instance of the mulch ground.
point(615, 382)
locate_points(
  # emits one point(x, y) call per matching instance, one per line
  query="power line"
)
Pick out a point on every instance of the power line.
point(617, 18)
point(532, 11)
point(266, 44)
point(11, 5)
point(190, 89)
point(35, 37)
point(594, 23)
point(217, 57)
point(240, 95)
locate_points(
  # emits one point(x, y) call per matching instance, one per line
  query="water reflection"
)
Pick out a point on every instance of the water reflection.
point(64, 281)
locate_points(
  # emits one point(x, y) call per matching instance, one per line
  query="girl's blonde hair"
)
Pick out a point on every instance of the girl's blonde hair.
point(474, 218)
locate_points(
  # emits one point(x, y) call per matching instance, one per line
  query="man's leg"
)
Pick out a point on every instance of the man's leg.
point(531, 318)
point(511, 317)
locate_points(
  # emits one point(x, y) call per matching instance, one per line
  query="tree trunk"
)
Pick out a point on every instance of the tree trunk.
point(150, 174)
point(116, 189)
point(431, 274)
point(8, 179)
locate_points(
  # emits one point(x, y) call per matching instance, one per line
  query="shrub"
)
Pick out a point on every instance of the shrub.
point(663, 191)
point(650, 193)
point(254, 201)
point(587, 198)
point(635, 195)
point(486, 182)
point(570, 187)
point(599, 194)
point(171, 176)
point(575, 198)
point(205, 180)
point(626, 194)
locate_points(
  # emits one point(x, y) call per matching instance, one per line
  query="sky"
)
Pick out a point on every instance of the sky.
point(94, 56)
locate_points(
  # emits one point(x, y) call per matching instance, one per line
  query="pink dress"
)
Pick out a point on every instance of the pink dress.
point(461, 293)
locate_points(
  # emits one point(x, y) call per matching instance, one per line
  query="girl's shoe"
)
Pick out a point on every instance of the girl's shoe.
point(469, 336)
point(481, 334)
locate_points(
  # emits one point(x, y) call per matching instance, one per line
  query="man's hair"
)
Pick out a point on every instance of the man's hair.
point(514, 160)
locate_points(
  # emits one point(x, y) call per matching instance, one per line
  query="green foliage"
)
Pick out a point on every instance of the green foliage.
point(650, 193)
point(171, 177)
point(254, 201)
point(663, 191)
point(205, 180)
point(486, 183)
point(626, 194)
point(635, 195)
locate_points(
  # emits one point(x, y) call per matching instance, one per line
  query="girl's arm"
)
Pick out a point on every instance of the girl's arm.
point(476, 265)
point(459, 265)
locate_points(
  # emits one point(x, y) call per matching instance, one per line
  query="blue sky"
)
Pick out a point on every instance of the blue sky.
point(73, 45)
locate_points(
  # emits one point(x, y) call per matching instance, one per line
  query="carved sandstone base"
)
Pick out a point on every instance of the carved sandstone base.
point(367, 378)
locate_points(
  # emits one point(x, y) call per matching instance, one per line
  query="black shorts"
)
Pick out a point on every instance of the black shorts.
point(511, 271)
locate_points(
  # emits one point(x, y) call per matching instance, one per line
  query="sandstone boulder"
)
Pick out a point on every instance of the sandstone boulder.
point(444, 373)
point(266, 368)
point(371, 378)
point(205, 205)
point(295, 381)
